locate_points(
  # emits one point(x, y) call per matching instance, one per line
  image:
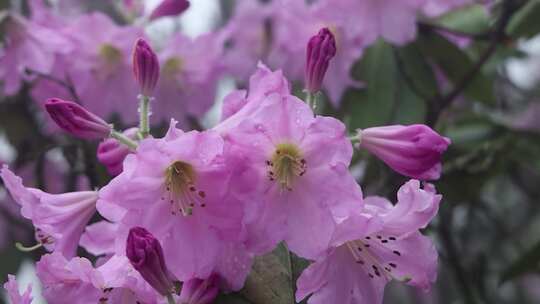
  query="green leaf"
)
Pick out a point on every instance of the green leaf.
point(456, 64)
point(527, 263)
point(415, 68)
point(373, 105)
point(469, 19)
point(526, 22)
point(270, 280)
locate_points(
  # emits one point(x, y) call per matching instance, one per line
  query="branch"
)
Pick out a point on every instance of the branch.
point(67, 84)
point(498, 34)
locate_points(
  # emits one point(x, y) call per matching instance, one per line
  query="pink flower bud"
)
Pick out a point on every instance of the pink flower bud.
point(169, 8)
point(145, 67)
point(414, 150)
point(197, 291)
point(145, 254)
point(320, 49)
point(111, 153)
point(73, 118)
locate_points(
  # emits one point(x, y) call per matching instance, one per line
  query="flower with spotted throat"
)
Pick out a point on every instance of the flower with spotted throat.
point(176, 187)
point(371, 248)
point(298, 162)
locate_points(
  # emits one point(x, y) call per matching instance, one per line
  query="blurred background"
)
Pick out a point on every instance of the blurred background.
point(472, 73)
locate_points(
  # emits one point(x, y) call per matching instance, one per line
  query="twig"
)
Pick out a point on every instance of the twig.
point(498, 35)
point(67, 84)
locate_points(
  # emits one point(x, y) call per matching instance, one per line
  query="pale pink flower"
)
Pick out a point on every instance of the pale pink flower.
point(298, 164)
point(190, 71)
point(59, 219)
point(29, 46)
point(77, 281)
point(370, 249)
point(14, 295)
point(177, 188)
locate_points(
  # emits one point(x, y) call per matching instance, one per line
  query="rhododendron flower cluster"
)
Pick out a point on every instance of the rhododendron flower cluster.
point(186, 213)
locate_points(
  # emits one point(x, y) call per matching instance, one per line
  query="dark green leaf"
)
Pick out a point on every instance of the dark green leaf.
point(270, 280)
point(373, 106)
point(416, 70)
point(526, 22)
point(469, 19)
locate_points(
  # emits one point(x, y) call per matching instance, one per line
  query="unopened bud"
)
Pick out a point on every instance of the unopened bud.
point(75, 119)
point(145, 67)
point(320, 49)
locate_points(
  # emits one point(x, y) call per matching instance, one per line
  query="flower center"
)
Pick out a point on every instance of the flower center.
point(110, 53)
point(363, 252)
point(172, 66)
point(285, 165)
point(180, 186)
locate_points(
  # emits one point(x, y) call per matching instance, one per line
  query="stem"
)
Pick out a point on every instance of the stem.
point(310, 99)
point(124, 139)
point(170, 299)
point(144, 112)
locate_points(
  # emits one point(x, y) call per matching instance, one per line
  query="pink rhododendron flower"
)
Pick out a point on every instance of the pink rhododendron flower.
point(294, 24)
point(13, 292)
point(77, 281)
point(291, 153)
point(197, 291)
point(262, 83)
point(278, 33)
point(98, 238)
point(99, 67)
point(247, 37)
point(414, 150)
point(371, 18)
point(177, 188)
point(370, 249)
point(59, 218)
point(190, 70)
point(29, 47)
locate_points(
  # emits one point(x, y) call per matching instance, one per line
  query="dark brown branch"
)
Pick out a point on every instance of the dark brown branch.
point(67, 84)
point(498, 35)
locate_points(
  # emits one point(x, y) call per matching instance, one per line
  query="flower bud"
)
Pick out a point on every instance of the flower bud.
point(169, 8)
point(145, 67)
point(112, 153)
point(320, 49)
point(73, 118)
point(145, 254)
point(197, 291)
point(414, 150)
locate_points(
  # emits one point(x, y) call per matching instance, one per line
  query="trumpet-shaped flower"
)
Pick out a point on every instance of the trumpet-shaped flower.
point(298, 163)
point(14, 295)
point(59, 219)
point(369, 249)
point(77, 281)
point(30, 47)
point(177, 188)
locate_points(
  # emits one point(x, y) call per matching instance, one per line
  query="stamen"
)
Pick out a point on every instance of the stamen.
point(183, 195)
point(286, 164)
